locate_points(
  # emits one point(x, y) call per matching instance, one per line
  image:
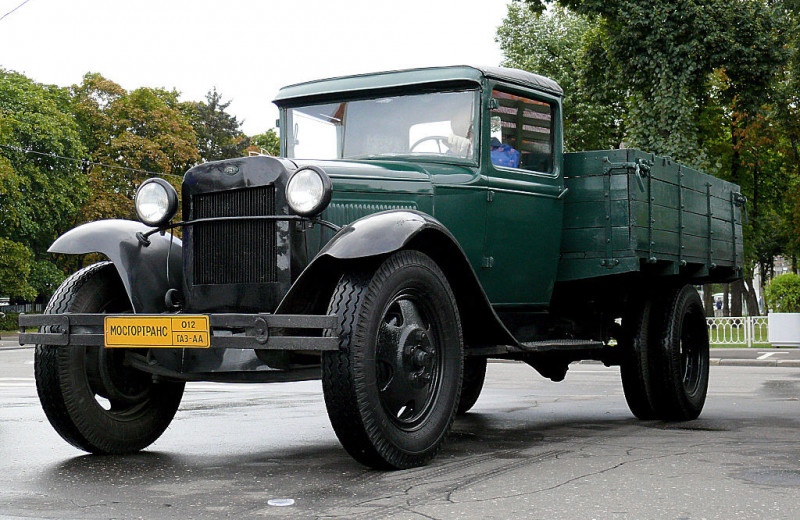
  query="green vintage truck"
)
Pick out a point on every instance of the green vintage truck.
point(418, 223)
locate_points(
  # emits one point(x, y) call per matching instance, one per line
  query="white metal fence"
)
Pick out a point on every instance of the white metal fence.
point(747, 330)
point(26, 307)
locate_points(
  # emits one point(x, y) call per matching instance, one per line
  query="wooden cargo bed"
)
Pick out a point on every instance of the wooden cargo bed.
point(627, 210)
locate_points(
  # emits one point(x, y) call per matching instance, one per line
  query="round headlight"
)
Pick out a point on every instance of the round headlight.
point(156, 202)
point(308, 191)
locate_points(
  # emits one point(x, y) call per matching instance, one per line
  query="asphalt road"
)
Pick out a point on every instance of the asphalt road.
point(530, 449)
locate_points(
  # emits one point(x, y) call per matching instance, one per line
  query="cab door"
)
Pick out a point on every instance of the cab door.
point(522, 169)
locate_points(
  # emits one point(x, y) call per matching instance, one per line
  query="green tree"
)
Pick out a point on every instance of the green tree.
point(787, 120)
point(45, 277)
point(144, 129)
point(701, 85)
point(40, 195)
point(663, 53)
point(563, 46)
point(15, 267)
point(219, 134)
point(268, 141)
point(783, 293)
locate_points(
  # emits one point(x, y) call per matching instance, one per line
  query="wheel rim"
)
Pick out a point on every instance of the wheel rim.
point(409, 360)
point(117, 389)
point(691, 351)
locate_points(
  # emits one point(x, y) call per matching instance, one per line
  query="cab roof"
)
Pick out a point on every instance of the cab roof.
point(400, 79)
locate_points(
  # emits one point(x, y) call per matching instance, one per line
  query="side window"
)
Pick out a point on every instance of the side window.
point(521, 133)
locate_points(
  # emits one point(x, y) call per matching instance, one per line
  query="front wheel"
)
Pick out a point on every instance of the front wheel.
point(393, 386)
point(474, 376)
point(90, 396)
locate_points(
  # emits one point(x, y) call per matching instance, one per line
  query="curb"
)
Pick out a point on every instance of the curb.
point(786, 363)
point(20, 347)
point(12, 337)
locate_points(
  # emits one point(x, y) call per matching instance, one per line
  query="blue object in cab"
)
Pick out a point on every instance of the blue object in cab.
point(503, 154)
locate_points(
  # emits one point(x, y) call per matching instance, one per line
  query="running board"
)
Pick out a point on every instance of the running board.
point(561, 344)
point(546, 346)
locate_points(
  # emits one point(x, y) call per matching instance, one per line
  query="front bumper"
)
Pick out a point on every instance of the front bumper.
point(227, 331)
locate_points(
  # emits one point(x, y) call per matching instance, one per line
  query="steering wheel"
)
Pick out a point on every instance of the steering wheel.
point(438, 138)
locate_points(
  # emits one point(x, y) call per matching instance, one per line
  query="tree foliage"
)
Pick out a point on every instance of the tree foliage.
point(713, 84)
point(143, 130)
point(15, 267)
point(40, 195)
point(561, 45)
point(219, 134)
point(268, 142)
point(662, 53)
point(138, 133)
point(783, 293)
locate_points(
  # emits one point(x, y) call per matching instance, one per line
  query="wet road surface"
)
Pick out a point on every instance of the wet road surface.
point(529, 449)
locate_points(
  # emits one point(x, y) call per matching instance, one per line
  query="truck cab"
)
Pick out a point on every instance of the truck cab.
point(445, 126)
point(417, 224)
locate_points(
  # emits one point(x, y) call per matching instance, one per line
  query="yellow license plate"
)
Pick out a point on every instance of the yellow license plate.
point(156, 331)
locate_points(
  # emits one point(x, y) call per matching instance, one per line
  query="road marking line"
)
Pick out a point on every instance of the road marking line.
point(17, 379)
point(765, 355)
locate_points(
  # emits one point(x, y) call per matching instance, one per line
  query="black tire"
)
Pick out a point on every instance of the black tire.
point(392, 388)
point(474, 376)
point(638, 343)
point(683, 364)
point(70, 379)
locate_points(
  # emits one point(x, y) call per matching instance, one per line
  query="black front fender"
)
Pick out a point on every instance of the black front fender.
point(380, 234)
point(143, 269)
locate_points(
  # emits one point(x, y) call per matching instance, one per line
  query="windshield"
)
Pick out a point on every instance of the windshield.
point(433, 124)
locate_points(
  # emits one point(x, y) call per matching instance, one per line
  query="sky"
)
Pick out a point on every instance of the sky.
point(247, 49)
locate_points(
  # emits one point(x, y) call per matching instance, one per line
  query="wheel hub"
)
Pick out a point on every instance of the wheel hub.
point(408, 367)
point(418, 355)
point(111, 379)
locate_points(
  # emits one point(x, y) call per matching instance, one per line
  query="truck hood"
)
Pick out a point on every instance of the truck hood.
point(371, 169)
point(414, 176)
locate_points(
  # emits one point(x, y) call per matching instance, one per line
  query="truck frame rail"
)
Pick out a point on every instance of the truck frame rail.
point(232, 331)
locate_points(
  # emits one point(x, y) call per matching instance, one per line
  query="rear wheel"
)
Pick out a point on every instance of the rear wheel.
point(474, 376)
point(392, 388)
point(91, 397)
point(684, 356)
point(636, 343)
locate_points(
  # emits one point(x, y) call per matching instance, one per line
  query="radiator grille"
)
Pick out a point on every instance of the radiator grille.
point(234, 252)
